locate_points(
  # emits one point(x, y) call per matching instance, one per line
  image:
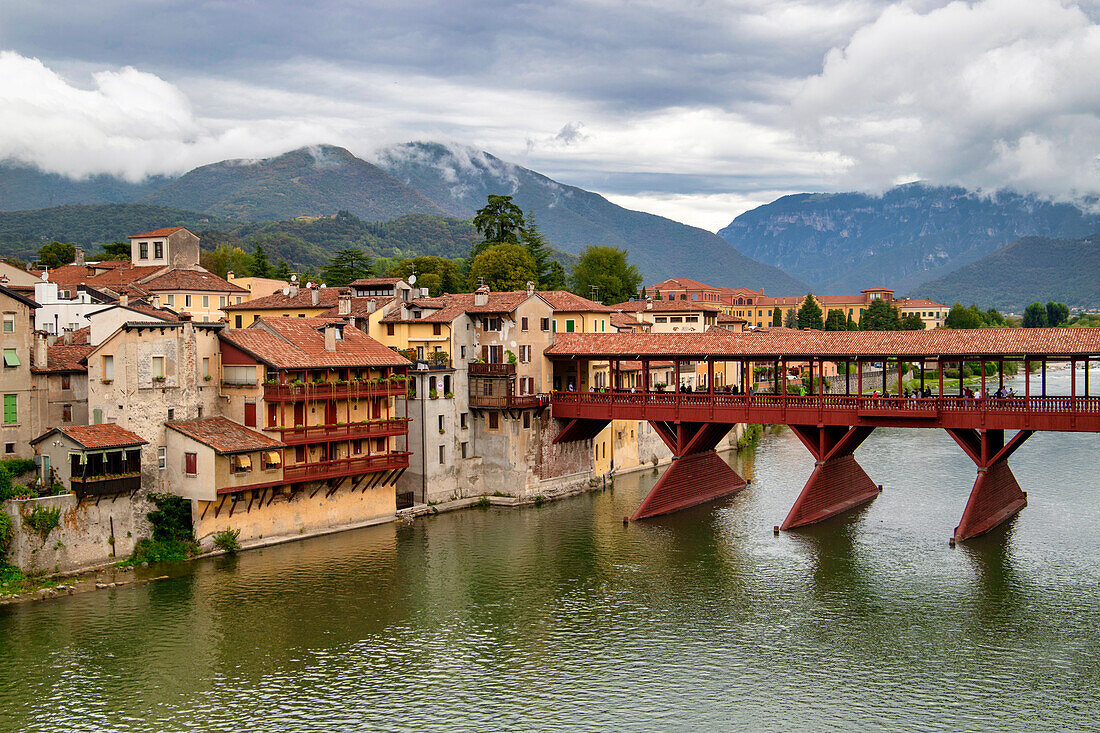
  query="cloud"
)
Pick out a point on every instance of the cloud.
point(998, 93)
point(129, 123)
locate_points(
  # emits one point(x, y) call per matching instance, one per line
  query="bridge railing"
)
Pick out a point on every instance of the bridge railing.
point(1050, 404)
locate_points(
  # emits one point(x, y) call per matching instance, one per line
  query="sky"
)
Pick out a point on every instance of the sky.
point(693, 109)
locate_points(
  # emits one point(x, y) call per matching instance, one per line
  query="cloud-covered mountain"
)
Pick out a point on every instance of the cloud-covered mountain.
point(459, 179)
point(842, 243)
point(1029, 269)
point(26, 187)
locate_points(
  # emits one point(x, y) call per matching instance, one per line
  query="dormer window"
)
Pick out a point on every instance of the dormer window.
point(143, 251)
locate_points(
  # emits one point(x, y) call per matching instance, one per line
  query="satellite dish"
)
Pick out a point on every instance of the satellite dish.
point(45, 277)
point(309, 286)
point(323, 286)
point(286, 291)
point(412, 279)
point(293, 278)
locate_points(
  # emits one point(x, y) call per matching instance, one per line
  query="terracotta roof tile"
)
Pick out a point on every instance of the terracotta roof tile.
point(105, 435)
point(65, 358)
point(563, 300)
point(180, 279)
point(224, 435)
point(771, 343)
point(157, 233)
point(369, 281)
point(299, 343)
point(666, 306)
point(360, 307)
point(326, 298)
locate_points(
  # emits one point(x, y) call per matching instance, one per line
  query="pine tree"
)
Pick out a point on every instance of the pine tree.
point(535, 244)
point(809, 314)
point(777, 317)
point(281, 271)
point(345, 266)
point(260, 265)
point(790, 319)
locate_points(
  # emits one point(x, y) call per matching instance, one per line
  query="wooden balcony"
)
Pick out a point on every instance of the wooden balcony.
point(109, 485)
point(508, 402)
point(481, 369)
point(343, 467)
point(352, 431)
point(332, 391)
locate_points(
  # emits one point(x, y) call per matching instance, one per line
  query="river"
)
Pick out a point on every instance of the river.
point(559, 617)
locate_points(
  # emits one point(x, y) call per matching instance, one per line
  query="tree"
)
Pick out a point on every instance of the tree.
point(1035, 316)
point(555, 279)
point(503, 267)
point(836, 321)
point(117, 251)
point(852, 325)
point(535, 244)
point(777, 317)
point(790, 319)
point(281, 271)
point(994, 319)
point(437, 274)
point(879, 316)
point(260, 265)
point(498, 222)
point(1057, 314)
point(224, 258)
point(56, 254)
point(912, 322)
point(809, 314)
point(643, 295)
point(345, 266)
point(608, 270)
point(964, 317)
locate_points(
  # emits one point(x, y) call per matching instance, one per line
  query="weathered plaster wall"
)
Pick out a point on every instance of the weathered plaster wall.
point(83, 538)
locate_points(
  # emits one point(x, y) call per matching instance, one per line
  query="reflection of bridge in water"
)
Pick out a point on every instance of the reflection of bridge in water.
point(831, 425)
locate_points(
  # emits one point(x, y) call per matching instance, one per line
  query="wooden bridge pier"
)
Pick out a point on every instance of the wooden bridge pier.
point(838, 483)
point(996, 495)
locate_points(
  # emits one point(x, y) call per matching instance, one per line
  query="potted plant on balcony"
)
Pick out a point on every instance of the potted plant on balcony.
point(158, 380)
point(511, 356)
point(207, 378)
point(433, 394)
point(106, 381)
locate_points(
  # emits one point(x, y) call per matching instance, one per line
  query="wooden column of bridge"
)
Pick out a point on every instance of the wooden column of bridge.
point(832, 426)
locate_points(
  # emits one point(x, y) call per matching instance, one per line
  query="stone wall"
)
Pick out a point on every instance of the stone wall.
point(83, 537)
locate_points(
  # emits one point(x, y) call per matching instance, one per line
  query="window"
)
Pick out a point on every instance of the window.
point(240, 463)
point(544, 324)
point(191, 464)
point(108, 367)
point(240, 299)
point(158, 250)
point(357, 446)
point(171, 413)
point(11, 409)
point(66, 413)
point(244, 375)
point(462, 418)
point(437, 329)
point(205, 367)
point(442, 455)
point(570, 325)
point(97, 416)
point(206, 301)
point(187, 301)
point(158, 367)
point(660, 319)
point(299, 454)
point(9, 447)
point(237, 321)
point(11, 358)
point(9, 323)
point(492, 324)
point(691, 319)
point(221, 301)
point(66, 381)
point(171, 300)
point(389, 329)
point(494, 420)
point(494, 353)
point(271, 460)
point(143, 251)
point(162, 457)
point(675, 319)
point(526, 419)
point(523, 324)
point(465, 449)
point(441, 423)
point(462, 352)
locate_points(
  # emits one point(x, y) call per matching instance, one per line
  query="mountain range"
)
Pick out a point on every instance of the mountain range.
point(416, 178)
point(844, 242)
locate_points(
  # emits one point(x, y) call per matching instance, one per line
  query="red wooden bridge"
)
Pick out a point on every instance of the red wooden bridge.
point(831, 424)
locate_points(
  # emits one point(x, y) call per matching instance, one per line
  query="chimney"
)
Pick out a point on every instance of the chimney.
point(316, 296)
point(230, 275)
point(344, 305)
point(649, 304)
point(184, 317)
point(424, 293)
point(293, 289)
point(40, 360)
point(332, 333)
point(124, 300)
point(372, 305)
point(79, 256)
point(481, 295)
point(155, 300)
point(67, 337)
point(530, 288)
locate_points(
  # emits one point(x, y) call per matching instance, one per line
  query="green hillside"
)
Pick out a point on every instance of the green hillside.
point(24, 187)
point(1028, 270)
point(314, 181)
point(460, 179)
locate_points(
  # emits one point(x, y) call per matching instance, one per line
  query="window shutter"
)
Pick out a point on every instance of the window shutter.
point(11, 408)
point(191, 463)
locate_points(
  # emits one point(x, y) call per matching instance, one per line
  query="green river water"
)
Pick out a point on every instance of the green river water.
point(559, 617)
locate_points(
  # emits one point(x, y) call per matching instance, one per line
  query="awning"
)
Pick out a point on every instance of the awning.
point(242, 462)
point(272, 458)
point(11, 358)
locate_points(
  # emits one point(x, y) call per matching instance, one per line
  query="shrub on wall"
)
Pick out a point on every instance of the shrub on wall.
point(7, 530)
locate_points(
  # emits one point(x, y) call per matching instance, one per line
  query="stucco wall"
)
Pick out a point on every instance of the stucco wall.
point(83, 538)
point(289, 516)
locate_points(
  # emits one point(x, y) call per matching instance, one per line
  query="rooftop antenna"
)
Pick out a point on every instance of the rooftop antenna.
point(595, 293)
point(481, 282)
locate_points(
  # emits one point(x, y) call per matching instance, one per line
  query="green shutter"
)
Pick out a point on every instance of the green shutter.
point(11, 359)
point(11, 409)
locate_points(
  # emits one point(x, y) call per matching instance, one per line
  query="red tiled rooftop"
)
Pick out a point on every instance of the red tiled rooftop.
point(326, 298)
point(666, 306)
point(200, 280)
point(157, 233)
point(224, 435)
point(105, 435)
point(65, 358)
point(366, 282)
point(779, 343)
point(299, 343)
point(563, 300)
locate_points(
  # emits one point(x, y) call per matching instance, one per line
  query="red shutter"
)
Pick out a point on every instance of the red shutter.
point(191, 463)
point(250, 414)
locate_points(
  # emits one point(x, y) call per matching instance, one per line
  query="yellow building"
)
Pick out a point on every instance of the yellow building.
point(257, 287)
point(852, 306)
point(292, 302)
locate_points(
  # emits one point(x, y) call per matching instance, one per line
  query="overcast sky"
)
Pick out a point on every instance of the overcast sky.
point(693, 109)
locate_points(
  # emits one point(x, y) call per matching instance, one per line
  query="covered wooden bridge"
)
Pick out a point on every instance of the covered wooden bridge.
point(833, 422)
